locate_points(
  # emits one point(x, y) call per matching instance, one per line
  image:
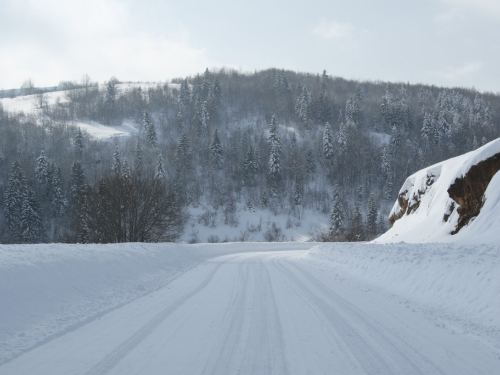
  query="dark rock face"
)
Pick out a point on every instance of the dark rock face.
point(403, 203)
point(468, 191)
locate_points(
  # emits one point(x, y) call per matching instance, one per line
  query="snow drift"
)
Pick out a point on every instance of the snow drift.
point(455, 200)
point(456, 286)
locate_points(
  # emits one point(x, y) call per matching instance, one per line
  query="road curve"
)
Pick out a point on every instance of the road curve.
point(259, 313)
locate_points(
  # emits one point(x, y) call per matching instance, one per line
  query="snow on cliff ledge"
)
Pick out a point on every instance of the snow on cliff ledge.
point(457, 200)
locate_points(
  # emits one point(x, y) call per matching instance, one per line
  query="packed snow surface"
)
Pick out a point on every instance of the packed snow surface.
point(249, 308)
point(427, 224)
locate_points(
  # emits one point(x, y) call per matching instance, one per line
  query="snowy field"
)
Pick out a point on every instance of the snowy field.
point(28, 105)
point(250, 308)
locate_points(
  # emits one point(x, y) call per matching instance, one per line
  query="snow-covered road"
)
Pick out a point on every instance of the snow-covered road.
point(259, 313)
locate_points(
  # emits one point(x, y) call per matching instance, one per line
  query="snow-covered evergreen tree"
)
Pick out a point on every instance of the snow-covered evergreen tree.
point(159, 169)
point(42, 169)
point(31, 221)
point(274, 139)
point(13, 201)
point(328, 151)
point(372, 214)
point(151, 135)
point(274, 169)
point(336, 216)
point(116, 167)
point(216, 151)
point(138, 159)
point(78, 143)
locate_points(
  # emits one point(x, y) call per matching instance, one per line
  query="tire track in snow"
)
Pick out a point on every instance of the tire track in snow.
point(110, 360)
point(264, 350)
point(402, 356)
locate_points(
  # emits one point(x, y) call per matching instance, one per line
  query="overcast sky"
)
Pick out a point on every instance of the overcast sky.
point(442, 42)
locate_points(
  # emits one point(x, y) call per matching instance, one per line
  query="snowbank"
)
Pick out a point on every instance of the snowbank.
point(431, 215)
point(457, 284)
point(47, 290)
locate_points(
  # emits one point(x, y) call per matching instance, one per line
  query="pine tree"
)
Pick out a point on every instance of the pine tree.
point(125, 172)
point(249, 167)
point(159, 169)
point(205, 86)
point(342, 138)
point(183, 152)
point(328, 152)
point(372, 214)
point(42, 169)
point(336, 216)
point(385, 166)
point(117, 163)
point(151, 135)
point(110, 99)
point(78, 143)
point(31, 222)
point(205, 117)
point(356, 232)
point(274, 139)
point(59, 202)
point(324, 80)
point(216, 151)
point(184, 94)
point(13, 201)
point(274, 169)
point(297, 196)
point(427, 132)
point(146, 121)
point(76, 182)
point(139, 159)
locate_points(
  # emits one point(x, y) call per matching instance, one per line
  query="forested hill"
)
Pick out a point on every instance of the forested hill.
point(204, 150)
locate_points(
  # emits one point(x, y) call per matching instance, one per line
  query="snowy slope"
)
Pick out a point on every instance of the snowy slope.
point(28, 104)
point(426, 195)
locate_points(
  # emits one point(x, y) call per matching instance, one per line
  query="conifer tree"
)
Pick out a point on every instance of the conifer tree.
point(324, 80)
point(205, 118)
point(183, 152)
point(31, 222)
point(274, 138)
point(159, 169)
point(139, 159)
point(336, 216)
point(328, 144)
point(125, 172)
point(78, 143)
point(59, 201)
point(216, 151)
point(13, 201)
point(117, 162)
point(76, 183)
point(249, 167)
point(151, 135)
point(274, 169)
point(42, 169)
point(372, 214)
point(356, 231)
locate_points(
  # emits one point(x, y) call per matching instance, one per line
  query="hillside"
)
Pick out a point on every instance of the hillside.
point(270, 155)
point(457, 200)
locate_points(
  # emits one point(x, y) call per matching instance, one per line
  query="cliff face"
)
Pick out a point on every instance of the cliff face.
point(468, 191)
point(438, 203)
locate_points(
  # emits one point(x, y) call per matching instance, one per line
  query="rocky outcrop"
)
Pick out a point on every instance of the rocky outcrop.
point(468, 191)
point(403, 204)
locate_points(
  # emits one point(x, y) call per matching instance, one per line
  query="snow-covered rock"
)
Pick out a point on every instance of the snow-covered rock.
point(455, 200)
